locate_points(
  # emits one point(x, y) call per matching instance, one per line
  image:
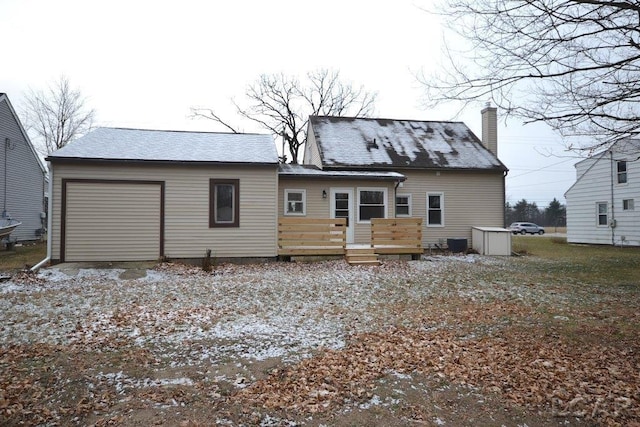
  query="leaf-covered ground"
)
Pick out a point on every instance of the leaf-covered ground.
point(448, 340)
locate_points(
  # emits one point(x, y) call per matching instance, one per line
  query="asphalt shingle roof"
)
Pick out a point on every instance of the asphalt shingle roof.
point(346, 142)
point(160, 145)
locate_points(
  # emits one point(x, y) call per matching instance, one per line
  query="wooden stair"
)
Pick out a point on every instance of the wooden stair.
point(361, 256)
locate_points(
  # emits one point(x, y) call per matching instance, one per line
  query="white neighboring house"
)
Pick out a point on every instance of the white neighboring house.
point(603, 205)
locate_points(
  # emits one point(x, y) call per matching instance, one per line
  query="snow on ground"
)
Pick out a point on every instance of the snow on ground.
point(283, 310)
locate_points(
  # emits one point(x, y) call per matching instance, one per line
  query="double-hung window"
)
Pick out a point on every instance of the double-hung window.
point(295, 202)
point(602, 212)
point(372, 203)
point(403, 204)
point(621, 167)
point(224, 206)
point(435, 209)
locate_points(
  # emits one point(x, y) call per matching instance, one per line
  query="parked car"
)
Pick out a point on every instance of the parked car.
point(526, 227)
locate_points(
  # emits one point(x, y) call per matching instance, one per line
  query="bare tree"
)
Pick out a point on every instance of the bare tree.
point(573, 64)
point(282, 105)
point(57, 115)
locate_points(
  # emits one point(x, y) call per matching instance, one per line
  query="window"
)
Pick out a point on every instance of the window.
point(627, 204)
point(295, 202)
point(371, 203)
point(603, 219)
point(224, 209)
point(622, 171)
point(435, 209)
point(403, 204)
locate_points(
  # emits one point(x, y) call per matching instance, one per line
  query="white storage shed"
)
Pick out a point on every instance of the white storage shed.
point(491, 240)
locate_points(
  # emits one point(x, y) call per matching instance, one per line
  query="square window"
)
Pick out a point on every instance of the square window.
point(435, 209)
point(224, 209)
point(371, 204)
point(627, 205)
point(403, 204)
point(295, 202)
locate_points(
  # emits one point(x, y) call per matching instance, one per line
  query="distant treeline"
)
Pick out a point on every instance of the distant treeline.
point(553, 215)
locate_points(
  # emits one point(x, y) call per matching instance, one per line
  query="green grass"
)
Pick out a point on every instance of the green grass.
point(21, 256)
point(587, 263)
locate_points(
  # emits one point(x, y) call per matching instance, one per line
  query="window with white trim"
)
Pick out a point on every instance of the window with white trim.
point(435, 209)
point(621, 166)
point(372, 203)
point(603, 215)
point(403, 204)
point(627, 204)
point(295, 202)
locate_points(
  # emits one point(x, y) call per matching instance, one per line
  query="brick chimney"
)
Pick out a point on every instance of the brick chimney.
point(490, 128)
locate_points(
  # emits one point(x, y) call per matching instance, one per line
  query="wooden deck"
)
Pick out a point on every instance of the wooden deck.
point(322, 236)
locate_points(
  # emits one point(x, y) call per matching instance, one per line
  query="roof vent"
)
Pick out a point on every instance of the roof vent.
point(372, 144)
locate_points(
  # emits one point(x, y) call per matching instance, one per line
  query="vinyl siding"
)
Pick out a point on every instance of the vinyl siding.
point(187, 232)
point(317, 207)
point(594, 185)
point(311, 152)
point(25, 186)
point(470, 199)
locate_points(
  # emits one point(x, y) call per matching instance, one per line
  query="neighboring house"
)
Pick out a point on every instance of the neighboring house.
point(363, 168)
point(129, 194)
point(23, 177)
point(601, 204)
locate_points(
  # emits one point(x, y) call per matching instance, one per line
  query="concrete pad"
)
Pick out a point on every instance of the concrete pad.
point(132, 269)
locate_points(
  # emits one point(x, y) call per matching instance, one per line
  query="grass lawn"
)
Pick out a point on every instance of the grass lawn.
point(21, 256)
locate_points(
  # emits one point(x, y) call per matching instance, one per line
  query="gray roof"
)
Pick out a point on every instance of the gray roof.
point(309, 171)
point(346, 142)
point(117, 144)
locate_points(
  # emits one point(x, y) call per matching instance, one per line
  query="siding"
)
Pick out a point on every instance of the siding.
point(311, 152)
point(187, 232)
point(25, 188)
point(470, 199)
point(317, 207)
point(594, 185)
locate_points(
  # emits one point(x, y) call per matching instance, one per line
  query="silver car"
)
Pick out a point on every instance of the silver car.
point(526, 227)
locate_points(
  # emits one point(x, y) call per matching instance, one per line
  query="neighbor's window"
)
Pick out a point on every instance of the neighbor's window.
point(295, 202)
point(627, 204)
point(435, 209)
point(371, 203)
point(224, 209)
point(622, 171)
point(403, 204)
point(603, 219)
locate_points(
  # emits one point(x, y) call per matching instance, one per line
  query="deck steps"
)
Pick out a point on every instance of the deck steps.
point(361, 256)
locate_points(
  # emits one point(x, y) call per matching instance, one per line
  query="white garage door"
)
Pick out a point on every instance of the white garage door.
point(112, 221)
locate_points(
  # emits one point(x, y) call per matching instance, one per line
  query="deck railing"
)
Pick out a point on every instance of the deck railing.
point(396, 235)
point(311, 236)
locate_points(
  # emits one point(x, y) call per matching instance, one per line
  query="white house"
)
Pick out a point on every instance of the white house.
point(601, 203)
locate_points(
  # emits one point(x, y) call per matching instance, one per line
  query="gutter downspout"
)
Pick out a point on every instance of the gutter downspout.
point(612, 221)
point(45, 261)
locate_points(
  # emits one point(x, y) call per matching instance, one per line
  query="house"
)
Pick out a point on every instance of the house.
point(363, 168)
point(601, 203)
point(131, 194)
point(23, 177)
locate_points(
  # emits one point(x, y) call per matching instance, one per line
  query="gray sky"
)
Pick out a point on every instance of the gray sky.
point(143, 64)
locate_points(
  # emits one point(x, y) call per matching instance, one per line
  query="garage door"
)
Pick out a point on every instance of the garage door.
point(112, 221)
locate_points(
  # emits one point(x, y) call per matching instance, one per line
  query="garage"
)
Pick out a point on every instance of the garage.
point(112, 220)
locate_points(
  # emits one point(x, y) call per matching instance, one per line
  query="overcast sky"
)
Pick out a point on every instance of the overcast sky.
point(143, 64)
